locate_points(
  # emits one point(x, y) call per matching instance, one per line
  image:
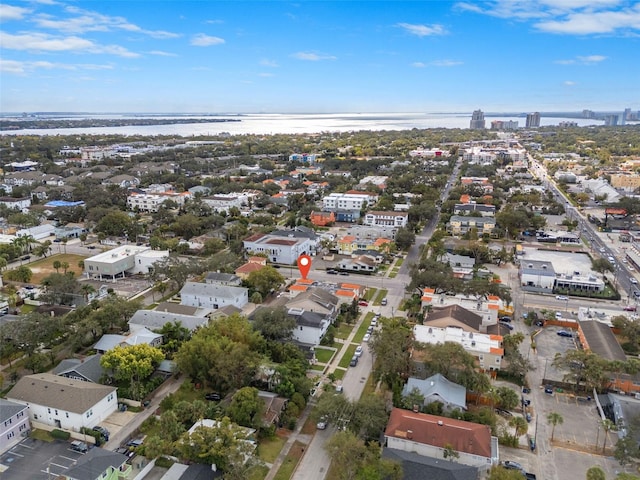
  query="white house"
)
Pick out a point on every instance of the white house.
point(39, 232)
point(224, 202)
point(64, 403)
point(310, 326)
point(16, 203)
point(211, 295)
point(109, 341)
point(387, 219)
point(124, 259)
point(158, 318)
point(150, 202)
point(431, 435)
point(279, 249)
point(14, 423)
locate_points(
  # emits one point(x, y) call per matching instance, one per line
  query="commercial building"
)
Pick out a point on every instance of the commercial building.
point(126, 259)
point(386, 219)
point(477, 120)
point(533, 120)
point(278, 248)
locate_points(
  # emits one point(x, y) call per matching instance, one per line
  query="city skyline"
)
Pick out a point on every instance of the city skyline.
point(319, 57)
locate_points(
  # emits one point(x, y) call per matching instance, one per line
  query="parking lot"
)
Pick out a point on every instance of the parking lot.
point(35, 460)
point(548, 344)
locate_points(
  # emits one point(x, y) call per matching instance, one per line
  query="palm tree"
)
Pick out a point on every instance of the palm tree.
point(65, 266)
point(87, 289)
point(57, 264)
point(520, 425)
point(554, 418)
point(607, 426)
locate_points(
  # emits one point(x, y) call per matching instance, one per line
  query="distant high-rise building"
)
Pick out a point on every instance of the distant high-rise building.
point(504, 125)
point(533, 120)
point(588, 114)
point(477, 120)
point(610, 120)
point(627, 114)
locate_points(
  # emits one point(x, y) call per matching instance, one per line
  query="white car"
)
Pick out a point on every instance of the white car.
point(558, 314)
point(633, 280)
point(561, 297)
point(322, 423)
point(358, 351)
point(367, 337)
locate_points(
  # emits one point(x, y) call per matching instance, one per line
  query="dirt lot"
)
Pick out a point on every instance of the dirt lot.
point(44, 267)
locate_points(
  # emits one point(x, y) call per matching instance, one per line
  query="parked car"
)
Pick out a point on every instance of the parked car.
point(528, 417)
point(339, 388)
point(506, 325)
point(78, 446)
point(362, 303)
point(136, 442)
point(103, 431)
point(506, 318)
point(530, 476)
point(344, 273)
point(630, 308)
point(213, 396)
point(374, 322)
point(548, 389)
point(564, 333)
point(510, 465)
point(562, 297)
point(367, 337)
point(526, 390)
point(636, 293)
point(539, 323)
point(332, 272)
point(383, 301)
point(322, 423)
point(558, 314)
point(354, 361)
point(358, 351)
point(370, 329)
point(633, 280)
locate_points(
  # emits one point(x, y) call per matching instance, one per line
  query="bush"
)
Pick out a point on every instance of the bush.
point(163, 462)
point(94, 434)
point(60, 434)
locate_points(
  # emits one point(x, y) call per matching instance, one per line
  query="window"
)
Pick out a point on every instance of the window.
point(48, 410)
point(35, 416)
point(67, 414)
point(11, 434)
point(56, 413)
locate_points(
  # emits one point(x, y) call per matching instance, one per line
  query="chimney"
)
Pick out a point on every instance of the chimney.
point(409, 434)
point(440, 423)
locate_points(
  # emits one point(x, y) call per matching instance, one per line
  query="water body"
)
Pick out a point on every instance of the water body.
point(266, 124)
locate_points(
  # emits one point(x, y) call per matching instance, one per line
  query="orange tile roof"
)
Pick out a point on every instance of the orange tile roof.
point(345, 293)
point(465, 198)
point(381, 241)
point(429, 290)
point(347, 239)
point(497, 351)
point(496, 337)
point(353, 286)
point(304, 281)
point(249, 267)
point(299, 288)
point(426, 299)
point(492, 306)
point(493, 297)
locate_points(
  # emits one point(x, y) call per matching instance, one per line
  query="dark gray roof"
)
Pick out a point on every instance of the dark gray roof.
point(537, 267)
point(63, 393)
point(9, 409)
point(450, 392)
point(88, 368)
point(171, 307)
point(94, 463)
point(601, 340)
point(155, 320)
point(417, 467)
point(308, 319)
point(456, 312)
point(298, 233)
point(222, 277)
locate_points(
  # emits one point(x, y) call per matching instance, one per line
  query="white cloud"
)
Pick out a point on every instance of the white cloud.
point(569, 83)
point(160, 53)
point(437, 63)
point(202, 40)
point(422, 30)
point(265, 62)
point(22, 68)
point(582, 60)
point(10, 12)
point(40, 42)
point(571, 17)
point(312, 57)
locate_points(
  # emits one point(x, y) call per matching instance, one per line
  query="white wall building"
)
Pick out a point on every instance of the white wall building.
point(285, 250)
point(212, 295)
point(14, 423)
point(486, 348)
point(64, 403)
point(121, 260)
point(150, 202)
point(224, 202)
point(387, 219)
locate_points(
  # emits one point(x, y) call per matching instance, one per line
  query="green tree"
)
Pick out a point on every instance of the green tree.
point(246, 408)
point(626, 448)
point(554, 418)
point(265, 280)
point(607, 426)
point(404, 238)
point(57, 264)
point(519, 425)
point(601, 265)
point(369, 418)
point(596, 473)
point(391, 347)
point(132, 364)
point(274, 323)
point(21, 274)
point(450, 453)
point(498, 472)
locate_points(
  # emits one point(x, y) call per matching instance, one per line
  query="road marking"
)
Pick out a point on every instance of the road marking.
point(58, 465)
point(17, 454)
point(68, 458)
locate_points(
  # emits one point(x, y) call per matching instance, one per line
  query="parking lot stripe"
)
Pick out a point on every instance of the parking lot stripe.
point(25, 446)
point(68, 458)
point(58, 465)
point(17, 454)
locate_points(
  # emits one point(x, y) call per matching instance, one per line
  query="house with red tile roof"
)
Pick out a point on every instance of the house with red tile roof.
point(430, 435)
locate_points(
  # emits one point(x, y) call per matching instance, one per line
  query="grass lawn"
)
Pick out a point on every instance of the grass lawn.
point(27, 309)
point(343, 330)
point(317, 368)
point(259, 472)
point(399, 262)
point(269, 448)
point(369, 387)
point(394, 273)
point(44, 267)
point(290, 462)
point(324, 355)
point(188, 393)
point(41, 435)
point(381, 294)
point(346, 358)
point(339, 373)
point(370, 293)
point(357, 338)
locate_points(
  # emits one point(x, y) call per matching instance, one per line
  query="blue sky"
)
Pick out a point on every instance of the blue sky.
point(319, 57)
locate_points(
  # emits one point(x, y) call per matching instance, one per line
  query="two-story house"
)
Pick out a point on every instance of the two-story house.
point(14, 423)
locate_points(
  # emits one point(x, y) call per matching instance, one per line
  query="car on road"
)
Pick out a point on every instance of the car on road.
point(506, 325)
point(528, 417)
point(367, 337)
point(630, 308)
point(332, 272)
point(562, 297)
point(558, 314)
point(322, 423)
point(362, 303)
point(548, 389)
point(359, 351)
point(636, 293)
point(213, 396)
point(339, 388)
point(633, 280)
point(602, 250)
point(564, 333)
point(346, 274)
point(510, 465)
point(526, 390)
point(530, 476)
point(383, 302)
point(539, 323)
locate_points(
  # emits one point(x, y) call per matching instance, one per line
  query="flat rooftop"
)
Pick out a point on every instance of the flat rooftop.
point(117, 254)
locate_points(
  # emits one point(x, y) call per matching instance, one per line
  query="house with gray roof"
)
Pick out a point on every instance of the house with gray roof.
point(85, 369)
point(211, 295)
point(99, 463)
point(143, 335)
point(64, 403)
point(223, 279)
point(419, 467)
point(438, 389)
point(14, 423)
point(156, 319)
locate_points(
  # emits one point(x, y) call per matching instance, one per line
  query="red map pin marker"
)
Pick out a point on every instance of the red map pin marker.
point(304, 265)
